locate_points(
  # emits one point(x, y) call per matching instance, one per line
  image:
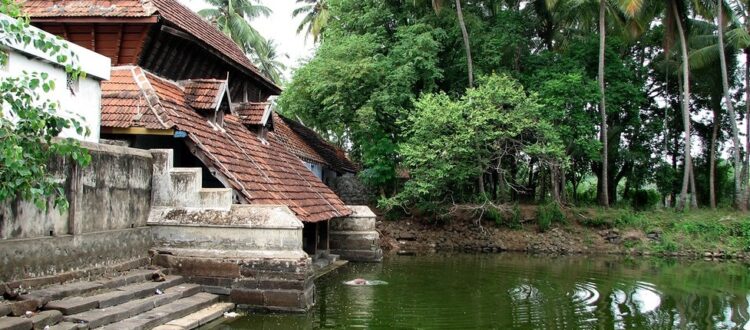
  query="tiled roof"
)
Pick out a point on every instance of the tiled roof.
point(204, 94)
point(334, 156)
point(263, 173)
point(86, 8)
point(170, 10)
point(294, 142)
point(252, 113)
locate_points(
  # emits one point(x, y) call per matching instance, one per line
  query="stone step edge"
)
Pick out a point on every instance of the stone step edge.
point(166, 313)
point(198, 318)
point(111, 297)
point(133, 308)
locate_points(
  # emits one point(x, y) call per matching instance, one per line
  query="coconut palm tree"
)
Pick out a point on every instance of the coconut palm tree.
point(676, 17)
point(266, 58)
point(232, 17)
point(315, 18)
point(630, 9)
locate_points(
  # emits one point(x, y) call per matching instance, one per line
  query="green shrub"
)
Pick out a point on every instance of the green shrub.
point(630, 219)
point(666, 245)
point(549, 214)
point(645, 199)
point(595, 222)
point(515, 217)
point(494, 215)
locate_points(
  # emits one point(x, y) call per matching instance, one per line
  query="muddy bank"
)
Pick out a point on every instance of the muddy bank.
point(408, 236)
point(470, 236)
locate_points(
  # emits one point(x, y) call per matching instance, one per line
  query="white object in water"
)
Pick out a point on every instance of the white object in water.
point(231, 314)
point(364, 282)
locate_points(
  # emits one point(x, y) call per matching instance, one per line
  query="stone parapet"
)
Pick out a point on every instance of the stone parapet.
point(252, 253)
point(355, 238)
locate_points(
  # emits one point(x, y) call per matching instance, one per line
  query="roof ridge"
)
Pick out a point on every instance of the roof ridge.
point(152, 99)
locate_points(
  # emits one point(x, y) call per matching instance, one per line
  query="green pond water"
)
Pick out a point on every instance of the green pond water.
point(518, 291)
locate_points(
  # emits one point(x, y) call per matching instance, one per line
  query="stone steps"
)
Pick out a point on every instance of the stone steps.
point(130, 301)
point(102, 316)
point(117, 296)
point(198, 318)
point(167, 312)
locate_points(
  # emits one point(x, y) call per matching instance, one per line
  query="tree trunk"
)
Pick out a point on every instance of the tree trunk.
point(746, 167)
point(465, 34)
point(739, 202)
point(685, 108)
point(693, 191)
point(712, 167)
point(604, 197)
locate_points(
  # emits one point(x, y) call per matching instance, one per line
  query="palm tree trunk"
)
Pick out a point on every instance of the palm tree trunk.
point(685, 108)
point(712, 167)
point(737, 158)
point(604, 197)
point(693, 191)
point(465, 34)
point(746, 167)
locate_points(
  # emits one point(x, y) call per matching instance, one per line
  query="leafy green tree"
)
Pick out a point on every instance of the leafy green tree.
point(30, 122)
point(452, 142)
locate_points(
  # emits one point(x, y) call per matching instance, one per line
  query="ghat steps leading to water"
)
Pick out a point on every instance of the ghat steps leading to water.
point(133, 300)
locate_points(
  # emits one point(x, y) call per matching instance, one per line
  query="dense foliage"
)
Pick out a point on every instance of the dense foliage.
point(389, 82)
point(30, 121)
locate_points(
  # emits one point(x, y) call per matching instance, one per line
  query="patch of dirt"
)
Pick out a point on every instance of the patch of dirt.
point(465, 233)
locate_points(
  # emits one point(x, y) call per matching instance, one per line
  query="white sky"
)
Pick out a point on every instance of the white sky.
point(279, 26)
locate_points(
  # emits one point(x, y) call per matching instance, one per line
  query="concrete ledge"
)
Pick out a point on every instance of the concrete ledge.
point(61, 258)
point(226, 238)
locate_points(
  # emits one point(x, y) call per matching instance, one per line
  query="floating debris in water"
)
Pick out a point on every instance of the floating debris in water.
point(231, 314)
point(364, 282)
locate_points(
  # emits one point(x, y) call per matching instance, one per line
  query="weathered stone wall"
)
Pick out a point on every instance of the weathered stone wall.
point(355, 237)
point(351, 190)
point(253, 253)
point(105, 225)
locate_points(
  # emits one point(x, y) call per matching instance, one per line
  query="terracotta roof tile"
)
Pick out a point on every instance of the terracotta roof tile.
point(264, 173)
point(333, 155)
point(252, 113)
point(86, 8)
point(294, 142)
point(172, 11)
point(204, 94)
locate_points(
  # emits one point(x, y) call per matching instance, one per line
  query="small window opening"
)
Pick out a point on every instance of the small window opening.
point(263, 135)
point(52, 233)
point(218, 118)
point(71, 84)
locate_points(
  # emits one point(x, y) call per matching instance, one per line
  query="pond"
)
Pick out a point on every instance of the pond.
point(520, 291)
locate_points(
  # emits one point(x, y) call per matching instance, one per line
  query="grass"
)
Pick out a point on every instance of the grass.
point(694, 231)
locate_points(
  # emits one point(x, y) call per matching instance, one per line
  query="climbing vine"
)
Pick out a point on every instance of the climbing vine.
point(30, 121)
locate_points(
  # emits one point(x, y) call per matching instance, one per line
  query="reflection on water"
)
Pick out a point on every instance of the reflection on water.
point(526, 292)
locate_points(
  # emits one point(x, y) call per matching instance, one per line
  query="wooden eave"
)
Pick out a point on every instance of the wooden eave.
point(186, 36)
